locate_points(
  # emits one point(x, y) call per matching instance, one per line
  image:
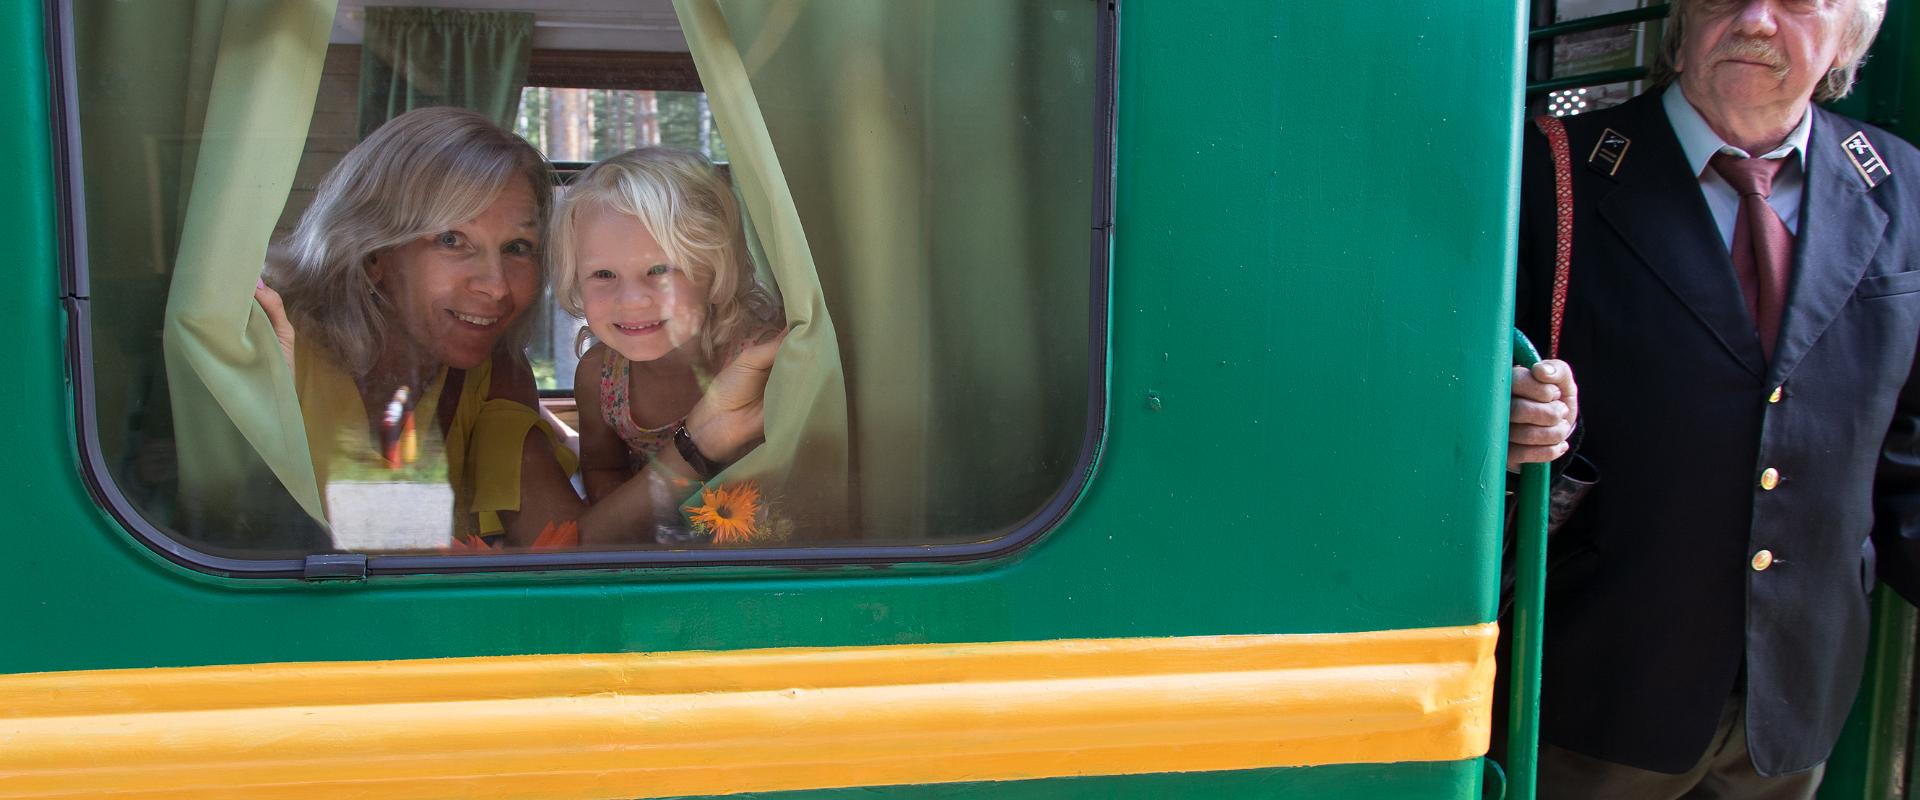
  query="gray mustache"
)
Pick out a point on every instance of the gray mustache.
point(1757, 50)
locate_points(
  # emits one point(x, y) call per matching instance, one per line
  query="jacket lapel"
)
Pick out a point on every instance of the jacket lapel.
point(1658, 210)
point(1840, 228)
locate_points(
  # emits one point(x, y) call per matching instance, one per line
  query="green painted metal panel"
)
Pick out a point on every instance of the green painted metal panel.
point(1871, 760)
point(1874, 758)
point(1328, 345)
point(1888, 91)
point(1310, 277)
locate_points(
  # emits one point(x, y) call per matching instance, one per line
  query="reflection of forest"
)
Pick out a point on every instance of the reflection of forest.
point(592, 124)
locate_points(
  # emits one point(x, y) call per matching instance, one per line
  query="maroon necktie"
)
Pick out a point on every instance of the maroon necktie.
point(1762, 247)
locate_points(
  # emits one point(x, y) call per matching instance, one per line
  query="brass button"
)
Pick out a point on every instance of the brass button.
point(1775, 397)
point(1769, 479)
point(1762, 560)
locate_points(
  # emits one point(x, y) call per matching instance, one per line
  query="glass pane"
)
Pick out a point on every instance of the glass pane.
point(1606, 49)
point(1596, 52)
point(904, 187)
point(1567, 10)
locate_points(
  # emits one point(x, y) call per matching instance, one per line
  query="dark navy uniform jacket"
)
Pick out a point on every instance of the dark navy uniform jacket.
point(1659, 604)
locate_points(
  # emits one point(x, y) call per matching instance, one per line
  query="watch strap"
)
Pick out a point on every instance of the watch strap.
point(683, 442)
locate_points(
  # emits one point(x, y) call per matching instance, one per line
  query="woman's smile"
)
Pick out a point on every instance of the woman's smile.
point(476, 320)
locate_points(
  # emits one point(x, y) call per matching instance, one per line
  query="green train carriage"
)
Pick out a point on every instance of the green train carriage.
point(1195, 489)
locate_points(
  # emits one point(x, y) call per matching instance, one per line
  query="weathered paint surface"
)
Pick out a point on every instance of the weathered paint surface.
point(1310, 270)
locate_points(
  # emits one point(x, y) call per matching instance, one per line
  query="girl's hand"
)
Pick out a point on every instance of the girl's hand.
point(729, 420)
point(276, 316)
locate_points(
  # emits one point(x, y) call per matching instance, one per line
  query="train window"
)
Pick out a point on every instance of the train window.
point(350, 299)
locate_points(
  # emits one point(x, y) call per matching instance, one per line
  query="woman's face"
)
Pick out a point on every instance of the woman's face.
point(637, 301)
point(454, 292)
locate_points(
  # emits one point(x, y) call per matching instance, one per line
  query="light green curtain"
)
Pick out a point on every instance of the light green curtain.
point(940, 155)
point(801, 469)
point(133, 98)
point(194, 115)
point(417, 57)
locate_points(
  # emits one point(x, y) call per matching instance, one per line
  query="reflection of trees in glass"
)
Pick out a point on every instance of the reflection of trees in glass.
point(592, 124)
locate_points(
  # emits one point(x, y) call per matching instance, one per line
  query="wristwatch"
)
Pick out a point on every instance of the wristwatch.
point(683, 442)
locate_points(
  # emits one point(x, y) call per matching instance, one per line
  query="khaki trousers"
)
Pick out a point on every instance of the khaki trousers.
point(1724, 773)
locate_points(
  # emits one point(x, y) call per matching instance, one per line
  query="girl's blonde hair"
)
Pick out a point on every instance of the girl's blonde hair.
point(690, 210)
point(421, 173)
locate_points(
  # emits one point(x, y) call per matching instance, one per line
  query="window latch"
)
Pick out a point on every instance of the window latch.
point(334, 567)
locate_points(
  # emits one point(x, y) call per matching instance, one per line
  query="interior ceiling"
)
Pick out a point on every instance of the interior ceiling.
point(646, 25)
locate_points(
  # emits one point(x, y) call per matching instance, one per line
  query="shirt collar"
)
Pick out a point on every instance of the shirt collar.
point(1700, 143)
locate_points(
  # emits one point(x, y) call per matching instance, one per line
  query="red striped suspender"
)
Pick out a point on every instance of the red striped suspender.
point(1563, 228)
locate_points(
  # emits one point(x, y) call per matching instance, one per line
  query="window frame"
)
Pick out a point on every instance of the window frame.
point(613, 69)
point(75, 296)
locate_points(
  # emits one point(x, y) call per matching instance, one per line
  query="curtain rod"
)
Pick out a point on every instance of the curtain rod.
point(604, 27)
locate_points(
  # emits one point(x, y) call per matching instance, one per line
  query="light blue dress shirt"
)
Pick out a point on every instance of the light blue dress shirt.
point(1700, 143)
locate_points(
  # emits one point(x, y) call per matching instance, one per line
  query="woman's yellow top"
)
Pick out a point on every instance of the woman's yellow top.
point(477, 456)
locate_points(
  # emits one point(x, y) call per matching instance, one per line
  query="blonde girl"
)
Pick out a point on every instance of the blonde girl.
point(648, 247)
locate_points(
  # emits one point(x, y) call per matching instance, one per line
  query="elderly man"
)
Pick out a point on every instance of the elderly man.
point(1743, 314)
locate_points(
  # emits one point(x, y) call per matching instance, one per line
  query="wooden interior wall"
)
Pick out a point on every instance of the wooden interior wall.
point(332, 134)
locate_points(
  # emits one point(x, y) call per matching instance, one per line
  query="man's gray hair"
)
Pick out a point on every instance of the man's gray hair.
point(1862, 25)
point(421, 173)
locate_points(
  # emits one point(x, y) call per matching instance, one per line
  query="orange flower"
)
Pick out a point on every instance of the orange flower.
point(556, 536)
point(468, 544)
point(728, 512)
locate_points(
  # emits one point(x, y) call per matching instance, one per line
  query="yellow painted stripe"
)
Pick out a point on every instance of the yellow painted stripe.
point(659, 725)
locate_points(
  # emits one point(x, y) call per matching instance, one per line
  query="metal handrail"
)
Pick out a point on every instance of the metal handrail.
point(1590, 79)
point(1529, 602)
